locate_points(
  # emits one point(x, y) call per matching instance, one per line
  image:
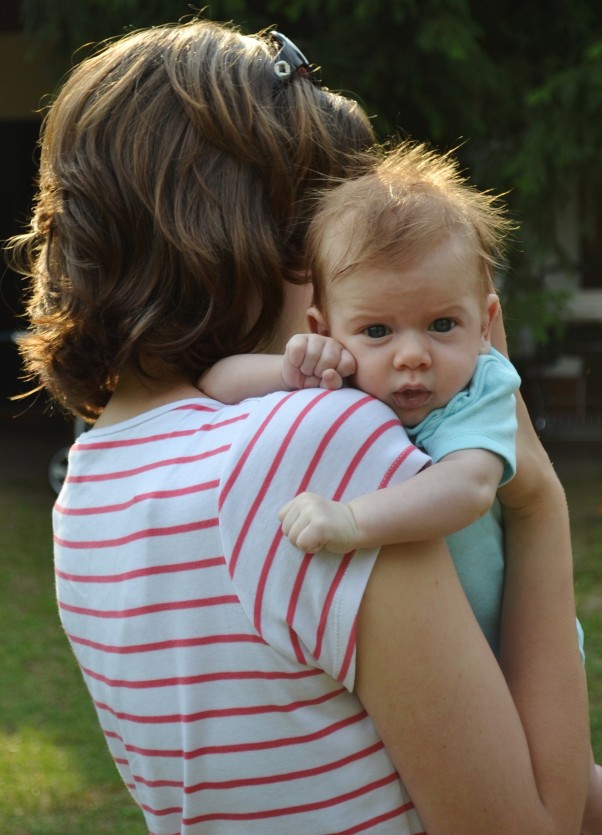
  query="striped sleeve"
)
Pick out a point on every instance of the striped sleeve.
point(340, 445)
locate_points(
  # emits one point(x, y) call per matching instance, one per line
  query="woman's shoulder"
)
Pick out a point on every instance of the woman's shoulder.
point(314, 437)
point(319, 402)
point(308, 415)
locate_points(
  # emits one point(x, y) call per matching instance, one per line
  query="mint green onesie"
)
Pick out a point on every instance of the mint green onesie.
point(481, 416)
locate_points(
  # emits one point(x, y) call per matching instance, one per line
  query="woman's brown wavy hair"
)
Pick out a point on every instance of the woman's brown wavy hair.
point(175, 189)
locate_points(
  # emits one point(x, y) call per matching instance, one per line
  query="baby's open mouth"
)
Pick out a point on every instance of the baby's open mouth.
point(412, 397)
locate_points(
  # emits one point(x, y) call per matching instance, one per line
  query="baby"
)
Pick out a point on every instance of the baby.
point(401, 261)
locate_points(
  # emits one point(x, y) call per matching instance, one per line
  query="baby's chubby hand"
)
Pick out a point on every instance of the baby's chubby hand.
point(311, 360)
point(312, 523)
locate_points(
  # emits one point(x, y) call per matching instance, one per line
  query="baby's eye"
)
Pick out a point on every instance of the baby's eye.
point(376, 331)
point(442, 325)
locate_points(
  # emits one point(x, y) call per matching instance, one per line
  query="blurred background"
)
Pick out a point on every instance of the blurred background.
point(516, 89)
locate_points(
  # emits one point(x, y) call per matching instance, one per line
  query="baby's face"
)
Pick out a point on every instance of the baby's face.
point(415, 331)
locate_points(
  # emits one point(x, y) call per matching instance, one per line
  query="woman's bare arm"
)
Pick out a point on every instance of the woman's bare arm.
point(479, 753)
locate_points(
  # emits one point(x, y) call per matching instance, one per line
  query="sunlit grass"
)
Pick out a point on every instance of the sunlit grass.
point(49, 781)
point(584, 495)
point(56, 775)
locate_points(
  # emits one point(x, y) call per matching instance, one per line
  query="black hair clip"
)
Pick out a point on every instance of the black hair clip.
point(290, 60)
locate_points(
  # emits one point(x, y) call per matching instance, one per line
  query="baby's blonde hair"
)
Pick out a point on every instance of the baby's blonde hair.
point(412, 199)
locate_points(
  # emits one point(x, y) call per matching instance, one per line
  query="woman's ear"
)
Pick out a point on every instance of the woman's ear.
point(492, 308)
point(316, 322)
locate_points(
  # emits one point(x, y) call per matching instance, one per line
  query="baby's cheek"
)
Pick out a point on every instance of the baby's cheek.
point(365, 381)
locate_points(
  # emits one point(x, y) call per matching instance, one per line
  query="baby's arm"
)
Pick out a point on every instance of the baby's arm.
point(440, 500)
point(245, 375)
point(309, 360)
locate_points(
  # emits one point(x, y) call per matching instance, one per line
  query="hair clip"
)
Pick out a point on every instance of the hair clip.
point(290, 60)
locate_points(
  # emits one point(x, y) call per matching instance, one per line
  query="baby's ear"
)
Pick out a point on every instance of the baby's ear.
point(317, 322)
point(492, 308)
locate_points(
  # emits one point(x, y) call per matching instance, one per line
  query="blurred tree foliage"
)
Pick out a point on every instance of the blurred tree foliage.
point(515, 87)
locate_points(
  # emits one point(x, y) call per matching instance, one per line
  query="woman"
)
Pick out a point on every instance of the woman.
point(243, 686)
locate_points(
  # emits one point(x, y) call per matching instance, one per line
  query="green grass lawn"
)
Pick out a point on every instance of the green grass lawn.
point(584, 493)
point(56, 776)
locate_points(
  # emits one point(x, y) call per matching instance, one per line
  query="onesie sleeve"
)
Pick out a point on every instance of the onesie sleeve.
point(339, 444)
point(482, 416)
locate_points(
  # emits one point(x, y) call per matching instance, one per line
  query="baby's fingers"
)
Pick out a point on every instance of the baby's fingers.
point(284, 510)
point(319, 354)
point(296, 522)
point(346, 365)
point(288, 515)
point(302, 536)
point(306, 357)
point(331, 380)
point(296, 349)
point(297, 528)
point(328, 355)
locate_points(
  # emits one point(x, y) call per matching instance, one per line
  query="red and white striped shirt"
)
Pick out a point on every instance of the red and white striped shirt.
point(221, 659)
